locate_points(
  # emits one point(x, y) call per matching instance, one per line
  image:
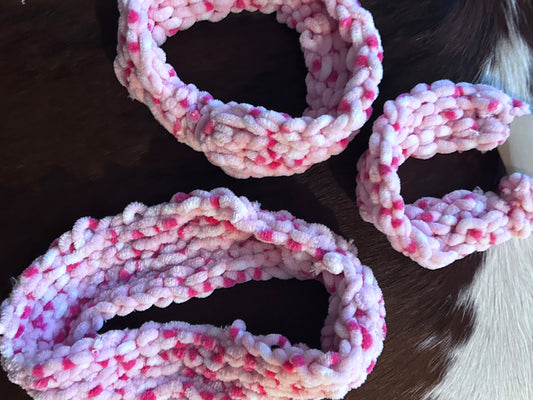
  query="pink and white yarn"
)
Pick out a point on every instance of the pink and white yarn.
point(443, 118)
point(172, 252)
point(342, 50)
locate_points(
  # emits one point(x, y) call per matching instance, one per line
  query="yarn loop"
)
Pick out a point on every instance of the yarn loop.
point(342, 51)
point(442, 118)
point(172, 252)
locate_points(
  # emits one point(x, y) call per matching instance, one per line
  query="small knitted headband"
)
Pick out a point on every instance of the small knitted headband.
point(172, 252)
point(342, 51)
point(443, 118)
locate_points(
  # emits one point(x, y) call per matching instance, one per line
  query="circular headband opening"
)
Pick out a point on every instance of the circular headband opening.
point(243, 64)
point(293, 308)
point(134, 280)
point(330, 55)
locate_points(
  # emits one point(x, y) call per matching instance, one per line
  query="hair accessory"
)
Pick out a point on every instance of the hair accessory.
point(342, 51)
point(172, 252)
point(443, 118)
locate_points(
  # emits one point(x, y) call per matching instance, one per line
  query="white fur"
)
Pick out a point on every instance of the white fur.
point(511, 65)
point(496, 361)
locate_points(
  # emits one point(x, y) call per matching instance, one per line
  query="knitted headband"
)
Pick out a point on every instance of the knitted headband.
point(342, 52)
point(443, 118)
point(170, 253)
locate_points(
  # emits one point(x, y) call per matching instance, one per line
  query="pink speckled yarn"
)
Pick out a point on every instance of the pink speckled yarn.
point(172, 252)
point(342, 50)
point(443, 118)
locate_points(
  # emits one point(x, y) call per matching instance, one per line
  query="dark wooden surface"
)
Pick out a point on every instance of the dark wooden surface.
point(73, 144)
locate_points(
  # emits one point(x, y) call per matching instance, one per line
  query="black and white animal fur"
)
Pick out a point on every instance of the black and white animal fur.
point(485, 41)
point(496, 362)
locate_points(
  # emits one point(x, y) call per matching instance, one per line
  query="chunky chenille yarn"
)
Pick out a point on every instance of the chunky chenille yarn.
point(342, 51)
point(443, 118)
point(172, 252)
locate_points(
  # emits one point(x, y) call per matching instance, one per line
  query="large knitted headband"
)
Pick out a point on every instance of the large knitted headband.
point(342, 52)
point(172, 252)
point(443, 118)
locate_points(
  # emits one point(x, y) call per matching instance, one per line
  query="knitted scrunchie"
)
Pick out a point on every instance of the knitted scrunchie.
point(170, 253)
point(342, 51)
point(443, 118)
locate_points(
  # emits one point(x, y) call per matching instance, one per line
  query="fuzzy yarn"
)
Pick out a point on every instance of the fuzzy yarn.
point(443, 118)
point(172, 252)
point(342, 51)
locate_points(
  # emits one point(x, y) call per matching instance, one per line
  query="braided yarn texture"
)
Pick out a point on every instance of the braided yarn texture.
point(443, 118)
point(187, 248)
point(343, 54)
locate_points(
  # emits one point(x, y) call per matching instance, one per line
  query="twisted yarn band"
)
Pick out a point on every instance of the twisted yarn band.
point(172, 252)
point(342, 51)
point(443, 118)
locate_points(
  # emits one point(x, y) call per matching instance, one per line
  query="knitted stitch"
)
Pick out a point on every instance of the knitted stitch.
point(342, 51)
point(443, 118)
point(172, 252)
